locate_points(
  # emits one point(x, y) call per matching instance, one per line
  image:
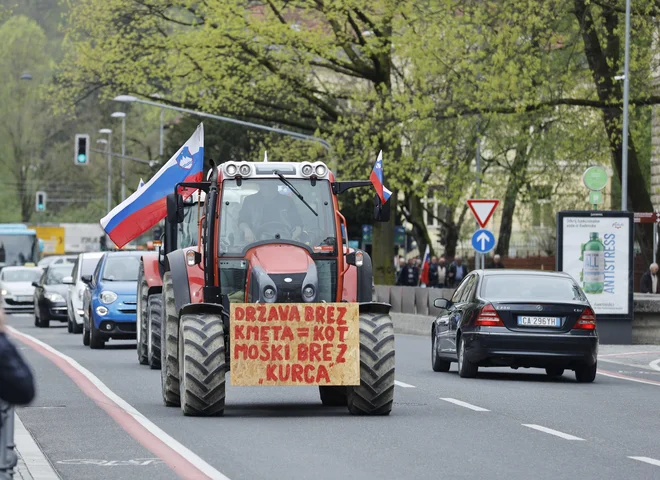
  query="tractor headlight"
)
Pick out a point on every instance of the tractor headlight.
point(107, 296)
point(307, 170)
point(55, 297)
point(308, 292)
point(321, 170)
point(269, 293)
point(231, 169)
point(245, 170)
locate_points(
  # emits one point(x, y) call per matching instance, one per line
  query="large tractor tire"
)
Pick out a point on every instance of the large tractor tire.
point(375, 394)
point(333, 396)
point(169, 334)
point(202, 365)
point(142, 317)
point(154, 320)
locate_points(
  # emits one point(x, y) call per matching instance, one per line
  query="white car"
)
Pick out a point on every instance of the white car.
point(85, 264)
point(17, 289)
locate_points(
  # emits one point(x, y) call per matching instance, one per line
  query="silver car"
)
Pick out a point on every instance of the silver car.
point(17, 289)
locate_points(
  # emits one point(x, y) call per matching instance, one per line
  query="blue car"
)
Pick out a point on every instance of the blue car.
point(110, 299)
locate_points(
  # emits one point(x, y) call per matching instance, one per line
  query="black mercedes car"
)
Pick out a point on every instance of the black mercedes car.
point(516, 318)
point(50, 295)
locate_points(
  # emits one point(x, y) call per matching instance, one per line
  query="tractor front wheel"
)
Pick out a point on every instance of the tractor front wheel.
point(169, 355)
point(202, 365)
point(375, 394)
point(154, 320)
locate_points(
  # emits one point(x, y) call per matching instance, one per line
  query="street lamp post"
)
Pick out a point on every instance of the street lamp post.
point(626, 88)
point(299, 136)
point(108, 132)
point(122, 115)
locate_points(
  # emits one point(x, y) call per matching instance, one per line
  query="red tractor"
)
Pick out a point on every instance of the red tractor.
point(269, 233)
point(150, 281)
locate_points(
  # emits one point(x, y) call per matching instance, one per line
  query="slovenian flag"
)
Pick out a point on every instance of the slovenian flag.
point(148, 205)
point(376, 178)
point(141, 184)
point(426, 266)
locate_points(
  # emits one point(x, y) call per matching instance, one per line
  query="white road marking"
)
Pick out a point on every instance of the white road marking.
point(655, 364)
point(630, 379)
point(404, 385)
point(187, 454)
point(34, 459)
point(651, 461)
point(461, 403)
point(556, 433)
point(625, 354)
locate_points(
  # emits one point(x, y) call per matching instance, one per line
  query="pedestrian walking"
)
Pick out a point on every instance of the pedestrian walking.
point(16, 380)
point(649, 283)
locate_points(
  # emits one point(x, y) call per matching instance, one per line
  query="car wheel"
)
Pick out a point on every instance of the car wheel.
point(586, 373)
point(85, 335)
point(95, 340)
point(466, 369)
point(36, 319)
point(437, 364)
point(554, 371)
point(69, 327)
point(44, 322)
point(75, 328)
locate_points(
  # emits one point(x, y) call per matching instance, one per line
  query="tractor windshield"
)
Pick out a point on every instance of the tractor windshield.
point(266, 209)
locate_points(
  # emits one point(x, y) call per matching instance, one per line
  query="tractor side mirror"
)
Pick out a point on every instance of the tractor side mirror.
point(175, 208)
point(381, 210)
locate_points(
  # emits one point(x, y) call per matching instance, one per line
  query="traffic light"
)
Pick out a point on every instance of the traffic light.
point(40, 202)
point(81, 147)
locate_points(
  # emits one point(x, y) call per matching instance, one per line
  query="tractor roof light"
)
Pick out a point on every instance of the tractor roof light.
point(321, 170)
point(307, 170)
point(231, 169)
point(245, 170)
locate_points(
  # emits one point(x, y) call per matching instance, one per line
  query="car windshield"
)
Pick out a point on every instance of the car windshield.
point(121, 268)
point(266, 209)
point(533, 288)
point(89, 265)
point(18, 249)
point(28, 275)
point(57, 273)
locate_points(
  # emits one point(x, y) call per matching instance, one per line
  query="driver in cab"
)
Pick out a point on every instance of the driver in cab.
point(268, 207)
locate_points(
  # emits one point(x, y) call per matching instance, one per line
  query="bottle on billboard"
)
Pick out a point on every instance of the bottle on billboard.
point(593, 264)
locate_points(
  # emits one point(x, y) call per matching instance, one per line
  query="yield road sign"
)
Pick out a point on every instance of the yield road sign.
point(483, 241)
point(483, 210)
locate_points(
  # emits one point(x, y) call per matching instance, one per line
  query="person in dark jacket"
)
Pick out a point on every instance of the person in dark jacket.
point(497, 262)
point(16, 380)
point(457, 271)
point(649, 283)
point(409, 275)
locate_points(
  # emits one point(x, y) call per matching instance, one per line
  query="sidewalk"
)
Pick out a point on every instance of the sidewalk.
point(32, 463)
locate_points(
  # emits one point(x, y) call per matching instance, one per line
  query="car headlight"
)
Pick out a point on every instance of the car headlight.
point(55, 297)
point(101, 311)
point(4, 292)
point(107, 296)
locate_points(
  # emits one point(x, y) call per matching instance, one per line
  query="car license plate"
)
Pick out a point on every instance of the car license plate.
point(525, 321)
point(24, 299)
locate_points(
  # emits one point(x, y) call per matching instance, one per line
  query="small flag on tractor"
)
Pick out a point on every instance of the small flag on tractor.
point(376, 178)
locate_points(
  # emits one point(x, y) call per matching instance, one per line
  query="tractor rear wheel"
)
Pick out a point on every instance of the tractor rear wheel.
point(142, 317)
point(375, 394)
point(154, 319)
point(202, 365)
point(169, 334)
point(333, 396)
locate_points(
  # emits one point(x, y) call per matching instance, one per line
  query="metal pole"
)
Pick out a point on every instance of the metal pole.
point(109, 173)
point(123, 152)
point(626, 86)
point(479, 258)
point(162, 112)
point(655, 241)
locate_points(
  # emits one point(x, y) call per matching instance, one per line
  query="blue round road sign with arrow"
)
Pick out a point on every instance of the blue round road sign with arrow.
point(483, 241)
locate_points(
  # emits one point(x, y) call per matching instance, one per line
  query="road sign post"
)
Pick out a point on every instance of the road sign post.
point(483, 241)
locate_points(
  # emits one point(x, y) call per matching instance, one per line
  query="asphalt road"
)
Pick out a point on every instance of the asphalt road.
point(503, 424)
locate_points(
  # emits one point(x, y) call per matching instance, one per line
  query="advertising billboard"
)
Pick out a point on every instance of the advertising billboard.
point(596, 249)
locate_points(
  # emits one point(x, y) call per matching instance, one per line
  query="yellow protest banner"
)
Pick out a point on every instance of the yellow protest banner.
point(295, 344)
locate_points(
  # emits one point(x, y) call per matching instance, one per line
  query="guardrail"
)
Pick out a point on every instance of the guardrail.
point(8, 457)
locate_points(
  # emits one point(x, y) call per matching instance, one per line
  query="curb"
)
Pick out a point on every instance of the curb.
point(32, 463)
